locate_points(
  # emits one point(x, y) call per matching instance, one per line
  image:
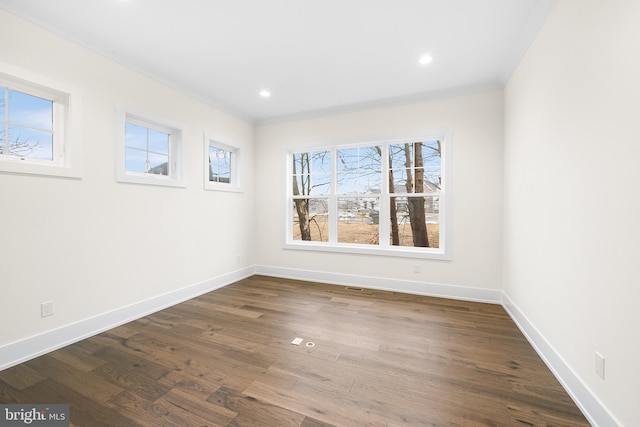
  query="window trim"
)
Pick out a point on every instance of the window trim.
point(67, 109)
point(235, 183)
point(176, 175)
point(441, 253)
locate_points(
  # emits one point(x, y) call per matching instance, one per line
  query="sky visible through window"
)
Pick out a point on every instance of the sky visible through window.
point(147, 150)
point(359, 168)
point(396, 184)
point(28, 122)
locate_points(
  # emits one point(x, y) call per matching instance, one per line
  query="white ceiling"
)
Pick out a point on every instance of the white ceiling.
point(314, 57)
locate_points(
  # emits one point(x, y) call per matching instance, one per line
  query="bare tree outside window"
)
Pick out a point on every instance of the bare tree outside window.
point(26, 125)
point(349, 195)
point(311, 177)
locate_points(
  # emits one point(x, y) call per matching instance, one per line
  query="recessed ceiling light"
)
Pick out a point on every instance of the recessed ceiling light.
point(265, 93)
point(425, 59)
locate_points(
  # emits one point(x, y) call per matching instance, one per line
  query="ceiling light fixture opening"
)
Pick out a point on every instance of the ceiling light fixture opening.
point(265, 93)
point(425, 59)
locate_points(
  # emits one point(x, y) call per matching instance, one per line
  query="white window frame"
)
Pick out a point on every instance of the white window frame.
point(384, 248)
point(175, 177)
point(67, 109)
point(234, 182)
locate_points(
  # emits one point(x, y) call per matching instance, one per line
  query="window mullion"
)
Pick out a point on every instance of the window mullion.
point(384, 216)
point(6, 121)
point(333, 199)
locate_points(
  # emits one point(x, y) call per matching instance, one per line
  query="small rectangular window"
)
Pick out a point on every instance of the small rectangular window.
point(219, 165)
point(222, 163)
point(150, 153)
point(35, 133)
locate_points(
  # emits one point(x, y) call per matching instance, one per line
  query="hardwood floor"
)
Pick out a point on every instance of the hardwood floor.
point(226, 359)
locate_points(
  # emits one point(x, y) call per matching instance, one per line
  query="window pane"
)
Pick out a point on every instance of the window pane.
point(158, 164)
point(31, 111)
point(311, 185)
point(158, 142)
point(311, 220)
point(432, 163)
point(359, 170)
point(401, 163)
point(219, 165)
point(312, 173)
point(416, 167)
point(135, 160)
point(2, 119)
point(136, 136)
point(30, 143)
point(358, 220)
point(319, 162)
point(312, 162)
point(2, 102)
point(415, 221)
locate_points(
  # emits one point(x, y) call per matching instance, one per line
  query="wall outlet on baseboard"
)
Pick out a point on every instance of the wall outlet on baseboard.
point(599, 365)
point(46, 309)
point(416, 268)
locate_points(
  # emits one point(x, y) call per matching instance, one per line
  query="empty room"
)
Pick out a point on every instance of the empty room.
point(285, 213)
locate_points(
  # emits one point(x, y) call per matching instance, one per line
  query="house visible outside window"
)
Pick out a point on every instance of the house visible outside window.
point(386, 198)
point(222, 163)
point(35, 132)
point(146, 150)
point(150, 153)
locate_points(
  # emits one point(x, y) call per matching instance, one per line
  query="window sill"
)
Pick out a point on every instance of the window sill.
point(150, 180)
point(400, 251)
point(38, 169)
point(222, 187)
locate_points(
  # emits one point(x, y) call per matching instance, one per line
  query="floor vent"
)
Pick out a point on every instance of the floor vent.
point(351, 288)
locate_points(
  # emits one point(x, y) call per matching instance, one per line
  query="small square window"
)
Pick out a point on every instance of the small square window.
point(150, 153)
point(221, 166)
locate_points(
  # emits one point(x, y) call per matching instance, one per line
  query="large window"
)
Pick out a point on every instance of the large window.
point(35, 135)
point(387, 197)
point(150, 152)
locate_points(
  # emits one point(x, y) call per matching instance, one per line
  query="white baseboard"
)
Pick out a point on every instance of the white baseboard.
point(595, 412)
point(386, 284)
point(20, 351)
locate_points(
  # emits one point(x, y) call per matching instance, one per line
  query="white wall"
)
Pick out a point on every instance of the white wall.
point(95, 245)
point(476, 125)
point(572, 208)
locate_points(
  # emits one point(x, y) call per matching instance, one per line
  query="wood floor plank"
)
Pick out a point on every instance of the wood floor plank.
point(334, 411)
point(252, 413)
point(198, 411)
point(86, 383)
point(226, 359)
point(21, 377)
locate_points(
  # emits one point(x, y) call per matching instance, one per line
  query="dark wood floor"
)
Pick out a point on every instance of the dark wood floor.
point(226, 359)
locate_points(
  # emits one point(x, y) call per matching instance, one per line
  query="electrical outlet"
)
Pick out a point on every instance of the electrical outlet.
point(599, 365)
point(46, 309)
point(416, 268)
